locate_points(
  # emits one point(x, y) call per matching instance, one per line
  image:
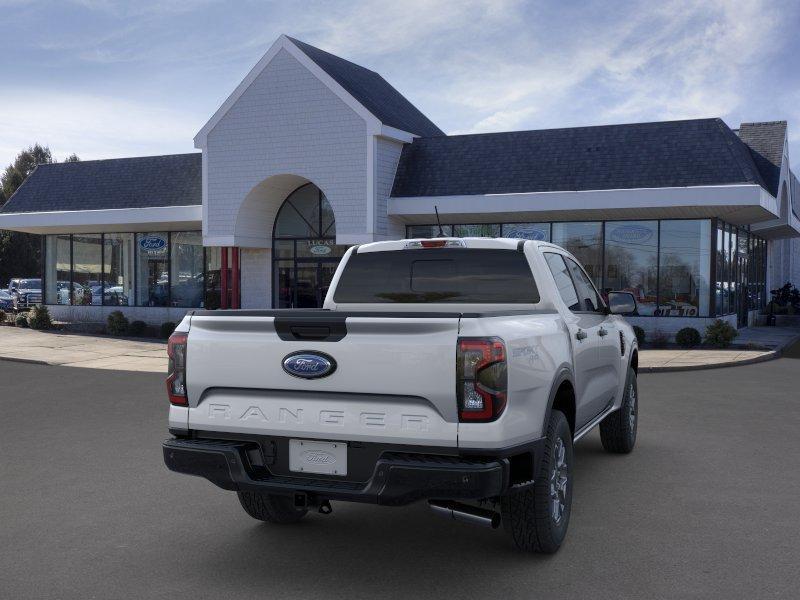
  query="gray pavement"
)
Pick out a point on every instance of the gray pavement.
point(705, 507)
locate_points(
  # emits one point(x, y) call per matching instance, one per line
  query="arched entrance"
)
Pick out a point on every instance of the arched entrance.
point(304, 250)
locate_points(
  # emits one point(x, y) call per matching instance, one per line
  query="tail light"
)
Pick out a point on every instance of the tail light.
point(482, 381)
point(176, 377)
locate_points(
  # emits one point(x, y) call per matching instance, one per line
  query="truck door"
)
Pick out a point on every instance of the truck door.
point(584, 331)
point(603, 377)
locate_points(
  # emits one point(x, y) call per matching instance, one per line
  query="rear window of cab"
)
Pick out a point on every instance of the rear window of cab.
point(437, 275)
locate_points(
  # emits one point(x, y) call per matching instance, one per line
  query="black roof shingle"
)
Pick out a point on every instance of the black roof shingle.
point(142, 182)
point(639, 155)
point(375, 93)
point(765, 141)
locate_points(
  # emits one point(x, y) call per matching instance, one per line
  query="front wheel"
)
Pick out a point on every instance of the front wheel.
point(618, 430)
point(537, 517)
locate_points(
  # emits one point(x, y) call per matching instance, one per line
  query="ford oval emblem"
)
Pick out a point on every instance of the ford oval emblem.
point(308, 364)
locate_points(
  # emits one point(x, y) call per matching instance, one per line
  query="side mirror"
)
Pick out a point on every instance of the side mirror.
point(621, 303)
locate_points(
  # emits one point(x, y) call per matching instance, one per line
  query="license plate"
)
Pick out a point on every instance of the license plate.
point(326, 458)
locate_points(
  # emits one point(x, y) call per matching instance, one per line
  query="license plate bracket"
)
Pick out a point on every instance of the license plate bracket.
point(322, 458)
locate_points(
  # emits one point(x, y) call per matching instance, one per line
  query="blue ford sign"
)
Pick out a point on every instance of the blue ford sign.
point(630, 234)
point(152, 243)
point(309, 365)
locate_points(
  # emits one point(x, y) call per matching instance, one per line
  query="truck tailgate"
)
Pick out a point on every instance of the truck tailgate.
point(394, 380)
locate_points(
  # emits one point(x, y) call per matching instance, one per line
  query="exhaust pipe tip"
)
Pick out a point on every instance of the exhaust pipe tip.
point(466, 513)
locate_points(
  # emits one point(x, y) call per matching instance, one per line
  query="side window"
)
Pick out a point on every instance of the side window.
point(587, 295)
point(563, 280)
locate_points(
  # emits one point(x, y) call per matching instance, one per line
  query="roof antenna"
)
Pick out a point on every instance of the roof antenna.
point(438, 222)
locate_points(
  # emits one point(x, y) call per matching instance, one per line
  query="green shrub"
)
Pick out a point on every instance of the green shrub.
point(137, 328)
point(641, 336)
point(720, 334)
point(2, 317)
point(688, 337)
point(117, 323)
point(39, 318)
point(659, 339)
point(167, 329)
point(21, 320)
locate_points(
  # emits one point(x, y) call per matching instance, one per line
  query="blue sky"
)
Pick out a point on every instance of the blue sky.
point(108, 79)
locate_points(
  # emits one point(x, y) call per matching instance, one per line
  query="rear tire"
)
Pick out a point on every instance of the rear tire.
point(618, 430)
point(271, 508)
point(537, 517)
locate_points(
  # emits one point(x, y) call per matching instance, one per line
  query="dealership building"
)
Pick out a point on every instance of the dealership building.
point(312, 154)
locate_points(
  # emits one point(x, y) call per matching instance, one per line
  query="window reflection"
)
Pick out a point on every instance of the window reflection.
point(684, 268)
point(152, 273)
point(187, 268)
point(528, 231)
point(57, 269)
point(631, 262)
point(584, 241)
point(87, 288)
point(118, 269)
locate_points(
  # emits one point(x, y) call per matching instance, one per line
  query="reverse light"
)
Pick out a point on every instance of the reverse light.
point(435, 244)
point(176, 373)
point(481, 378)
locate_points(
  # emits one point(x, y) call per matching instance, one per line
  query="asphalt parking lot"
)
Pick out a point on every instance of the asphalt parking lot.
point(706, 507)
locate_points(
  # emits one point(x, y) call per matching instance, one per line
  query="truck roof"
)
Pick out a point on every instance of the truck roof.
point(467, 242)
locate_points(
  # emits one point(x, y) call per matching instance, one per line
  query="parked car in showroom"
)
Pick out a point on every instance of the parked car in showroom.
point(25, 292)
point(458, 371)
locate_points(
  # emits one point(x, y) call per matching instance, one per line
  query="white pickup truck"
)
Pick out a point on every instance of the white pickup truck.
point(454, 370)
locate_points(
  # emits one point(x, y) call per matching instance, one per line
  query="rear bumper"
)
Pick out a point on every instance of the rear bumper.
point(398, 478)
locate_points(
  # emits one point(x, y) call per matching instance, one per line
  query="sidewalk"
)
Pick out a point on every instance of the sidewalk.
point(87, 351)
point(99, 352)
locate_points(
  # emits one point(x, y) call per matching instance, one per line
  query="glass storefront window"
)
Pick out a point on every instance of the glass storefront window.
point(720, 265)
point(428, 231)
point(527, 231)
point(57, 269)
point(477, 230)
point(585, 242)
point(118, 269)
point(186, 265)
point(152, 281)
point(87, 287)
point(631, 261)
point(726, 268)
point(685, 255)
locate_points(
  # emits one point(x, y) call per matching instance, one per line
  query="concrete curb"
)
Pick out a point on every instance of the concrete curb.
point(30, 361)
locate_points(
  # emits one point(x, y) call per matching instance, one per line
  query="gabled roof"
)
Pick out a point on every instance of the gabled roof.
point(375, 93)
point(640, 155)
point(766, 141)
point(143, 182)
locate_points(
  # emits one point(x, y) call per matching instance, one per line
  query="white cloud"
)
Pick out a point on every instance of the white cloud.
point(91, 126)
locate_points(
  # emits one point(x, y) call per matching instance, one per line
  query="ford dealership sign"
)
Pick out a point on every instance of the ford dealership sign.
point(631, 234)
point(152, 243)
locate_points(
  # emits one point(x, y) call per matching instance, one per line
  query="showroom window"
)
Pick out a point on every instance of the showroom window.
point(631, 262)
point(186, 268)
point(585, 242)
point(684, 263)
point(118, 259)
point(58, 268)
point(87, 257)
point(152, 274)
point(132, 269)
point(527, 231)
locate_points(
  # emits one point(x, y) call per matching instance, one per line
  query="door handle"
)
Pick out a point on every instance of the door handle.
point(581, 335)
point(602, 332)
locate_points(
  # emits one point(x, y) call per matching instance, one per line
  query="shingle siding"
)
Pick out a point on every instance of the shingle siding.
point(287, 122)
point(143, 182)
point(640, 155)
point(388, 156)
